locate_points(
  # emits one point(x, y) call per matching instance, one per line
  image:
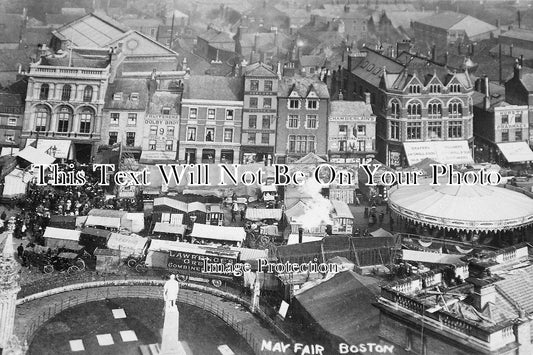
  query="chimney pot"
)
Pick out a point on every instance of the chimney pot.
point(367, 98)
point(300, 235)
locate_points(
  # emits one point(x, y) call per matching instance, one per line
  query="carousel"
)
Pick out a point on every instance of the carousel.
point(484, 214)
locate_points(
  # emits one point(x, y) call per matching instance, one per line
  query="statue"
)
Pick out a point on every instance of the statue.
point(171, 291)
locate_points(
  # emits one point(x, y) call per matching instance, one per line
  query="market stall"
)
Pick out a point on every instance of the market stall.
point(205, 234)
point(59, 238)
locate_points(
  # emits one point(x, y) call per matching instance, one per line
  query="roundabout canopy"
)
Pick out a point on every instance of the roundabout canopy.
point(463, 207)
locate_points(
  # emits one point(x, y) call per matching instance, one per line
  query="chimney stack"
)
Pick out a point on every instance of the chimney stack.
point(486, 87)
point(484, 295)
point(346, 8)
point(518, 18)
point(446, 59)
point(279, 71)
point(367, 98)
point(433, 52)
point(308, 8)
point(517, 70)
point(300, 235)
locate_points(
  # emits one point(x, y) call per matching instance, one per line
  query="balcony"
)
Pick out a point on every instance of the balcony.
point(68, 72)
point(68, 135)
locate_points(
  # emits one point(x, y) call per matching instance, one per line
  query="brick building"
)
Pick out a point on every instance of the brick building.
point(302, 125)
point(519, 91)
point(423, 109)
point(210, 128)
point(501, 129)
point(351, 132)
point(259, 113)
point(460, 309)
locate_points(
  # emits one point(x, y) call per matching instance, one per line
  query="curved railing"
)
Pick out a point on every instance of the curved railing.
point(140, 288)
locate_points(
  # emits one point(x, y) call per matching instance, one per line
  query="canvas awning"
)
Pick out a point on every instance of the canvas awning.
point(342, 210)
point(204, 231)
point(462, 207)
point(35, 156)
point(9, 151)
point(62, 238)
point(127, 244)
point(63, 147)
point(431, 258)
point(295, 239)
point(153, 157)
point(444, 152)
point(515, 152)
point(169, 228)
point(107, 222)
point(14, 184)
point(257, 214)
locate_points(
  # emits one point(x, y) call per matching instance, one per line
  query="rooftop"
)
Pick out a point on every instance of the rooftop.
point(341, 108)
point(126, 87)
point(207, 87)
point(91, 30)
point(456, 21)
point(303, 86)
point(259, 69)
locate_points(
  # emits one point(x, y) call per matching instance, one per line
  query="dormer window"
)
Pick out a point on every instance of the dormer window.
point(294, 104)
point(134, 96)
point(414, 89)
point(117, 96)
point(455, 88)
point(434, 89)
point(165, 110)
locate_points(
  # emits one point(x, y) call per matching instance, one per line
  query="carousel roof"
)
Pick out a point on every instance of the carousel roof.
point(463, 207)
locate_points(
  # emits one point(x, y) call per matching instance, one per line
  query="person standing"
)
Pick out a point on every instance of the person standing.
point(20, 251)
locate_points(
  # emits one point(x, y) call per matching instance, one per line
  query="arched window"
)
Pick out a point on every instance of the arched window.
point(42, 115)
point(44, 92)
point(65, 94)
point(64, 117)
point(88, 94)
point(414, 110)
point(434, 109)
point(86, 119)
point(455, 88)
point(395, 109)
point(455, 109)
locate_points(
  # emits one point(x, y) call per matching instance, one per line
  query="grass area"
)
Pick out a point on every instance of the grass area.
point(202, 331)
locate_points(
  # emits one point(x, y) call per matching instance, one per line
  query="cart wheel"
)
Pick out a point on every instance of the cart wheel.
point(48, 269)
point(132, 263)
point(141, 268)
point(80, 264)
point(183, 278)
point(216, 283)
point(72, 270)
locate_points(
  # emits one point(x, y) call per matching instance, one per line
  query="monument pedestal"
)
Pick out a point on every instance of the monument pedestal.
point(170, 345)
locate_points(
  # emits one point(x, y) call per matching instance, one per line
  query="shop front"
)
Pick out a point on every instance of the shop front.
point(257, 154)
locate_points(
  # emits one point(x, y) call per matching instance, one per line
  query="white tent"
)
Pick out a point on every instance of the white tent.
point(126, 244)
point(14, 184)
point(232, 234)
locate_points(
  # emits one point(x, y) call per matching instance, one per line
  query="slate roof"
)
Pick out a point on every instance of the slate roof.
point(341, 108)
point(401, 71)
point(10, 58)
point(162, 99)
point(60, 19)
point(302, 86)
point(341, 306)
point(91, 30)
point(206, 87)
point(312, 60)
point(10, 99)
point(126, 87)
point(518, 33)
point(456, 21)
point(13, 24)
point(259, 69)
point(214, 36)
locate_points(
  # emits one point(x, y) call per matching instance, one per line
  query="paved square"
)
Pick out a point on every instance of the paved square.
point(119, 313)
point(105, 339)
point(77, 345)
point(128, 335)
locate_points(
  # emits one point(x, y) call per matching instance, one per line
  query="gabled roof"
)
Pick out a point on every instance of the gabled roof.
point(259, 69)
point(456, 21)
point(127, 87)
point(214, 36)
point(207, 87)
point(341, 108)
point(303, 86)
point(310, 158)
point(91, 30)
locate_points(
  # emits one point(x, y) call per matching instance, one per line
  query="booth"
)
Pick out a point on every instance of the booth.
point(215, 216)
point(59, 238)
point(203, 233)
point(126, 245)
point(106, 219)
point(268, 192)
point(169, 231)
point(93, 238)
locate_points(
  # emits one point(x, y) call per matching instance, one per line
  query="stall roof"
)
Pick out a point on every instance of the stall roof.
point(107, 213)
point(381, 233)
point(341, 306)
point(105, 218)
point(14, 184)
point(295, 239)
point(169, 228)
point(257, 214)
point(60, 233)
point(268, 188)
point(133, 243)
point(252, 254)
point(341, 209)
point(35, 156)
point(63, 146)
point(96, 232)
point(180, 205)
point(515, 152)
point(205, 231)
point(431, 258)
